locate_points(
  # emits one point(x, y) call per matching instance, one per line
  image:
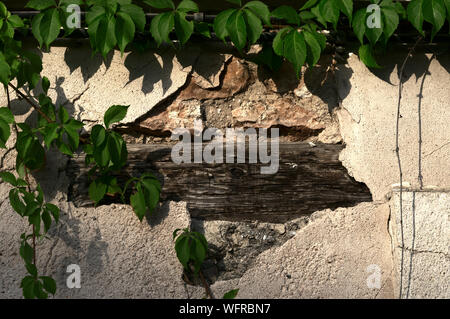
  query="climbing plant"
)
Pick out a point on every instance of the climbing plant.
point(115, 24)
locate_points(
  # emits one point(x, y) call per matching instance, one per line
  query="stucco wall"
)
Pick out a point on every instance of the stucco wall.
point(326, 255)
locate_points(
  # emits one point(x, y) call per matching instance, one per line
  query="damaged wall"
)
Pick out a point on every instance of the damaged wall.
point(325, 255)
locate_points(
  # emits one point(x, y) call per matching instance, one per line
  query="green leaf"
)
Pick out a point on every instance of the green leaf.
point(203, 29)
point(237, 30)
point(97, 190)
point(309, 4)
point(117, 149)
point(374, 34)
point(346, 7)
point(94, 14)
point(359, 24)
point(54, 210)
point(15, 202)
point(295, 50)
point(366, 56)
point(137, 201)
point(314, 48)
point(6, 115)
point(220, 23)
point(153, 192)
point(47, 220)
point(319, 16)
point(136, 13)
point(32, 270)
point(49, 26)
point(278, 42)
point(40, 4)
point(5, 72)
point(115, 114)
point(160, 4)
point(105, 35)
point(7, 177)
point(5, 133)
point(26, 252)
point(199, 250)
point(98, 135)
point(182, 249)
point(154, 29)
point(391, 21)
point(39, 290)
point(231, 294)
point(49, 284)
point(63, 115)
point(15, 21)
point(434, 13)
point(286, 13)
point(254, 26)
point(27, 285)
point(45, 84)
point(125, 30)
point(183, 28)
point(166, 25)
point(260, 9)
point(187, 6)
point(330, 11)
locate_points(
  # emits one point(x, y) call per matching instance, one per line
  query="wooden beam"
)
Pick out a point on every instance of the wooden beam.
point(309, 179)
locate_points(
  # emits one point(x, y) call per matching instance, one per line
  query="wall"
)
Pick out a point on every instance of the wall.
point(326, 255)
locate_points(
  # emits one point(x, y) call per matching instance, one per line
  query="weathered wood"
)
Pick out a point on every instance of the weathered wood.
point(309, 179)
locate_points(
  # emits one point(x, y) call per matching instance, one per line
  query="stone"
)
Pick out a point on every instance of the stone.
point(328, 258)
point(426, 243)
point(367, 122)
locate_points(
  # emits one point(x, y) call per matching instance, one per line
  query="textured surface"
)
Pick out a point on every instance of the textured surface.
point(426, 243)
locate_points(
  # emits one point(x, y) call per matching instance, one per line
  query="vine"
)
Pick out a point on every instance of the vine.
point(116, 23)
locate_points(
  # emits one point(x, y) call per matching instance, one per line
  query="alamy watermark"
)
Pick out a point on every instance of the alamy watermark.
point(234, 139)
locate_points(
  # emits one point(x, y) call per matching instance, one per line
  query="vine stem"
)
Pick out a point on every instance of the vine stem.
point(397, 151)
point(205, 284)
point(37, 108)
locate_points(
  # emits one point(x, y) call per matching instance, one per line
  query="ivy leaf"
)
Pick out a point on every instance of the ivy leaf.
point(160, 4)
point(220, 23)
point(183, 28)
point(260, 9)
point(366, 56)
point(114, 114)
point(359, 24)
point(237, 29)
point(330, 11)
point(314, 48)
point(182, 249)
point(27, 286)
point(187, 6)
point(105, 39)
point(49, 284)
point(124, 29)
point(154, 29)
point(117, 149)
point(434, 13)
point(318, 15)
point(153, 192)
point(136, 13)
point(309, 4)
point(40, 4)
point(8, 178)
point(278, 42)
point(286, 13)
point(346, 6)
point(95, 13)
point(49, 26)
point(231, 294)
point(15, 202)
point(97, 190)
point(137, 201)
point(5, 71)
point(54, 210)
point(47, 220)
point(45, 84)
point(166, 25)
point(203, 29)
point(98, 135)
point(374, 34)
point(391, 21)
point(295, 50)
point(50, 134)
point(254, 26)
point(6, 115)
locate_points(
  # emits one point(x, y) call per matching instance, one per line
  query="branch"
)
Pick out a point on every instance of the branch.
point(37, 108)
